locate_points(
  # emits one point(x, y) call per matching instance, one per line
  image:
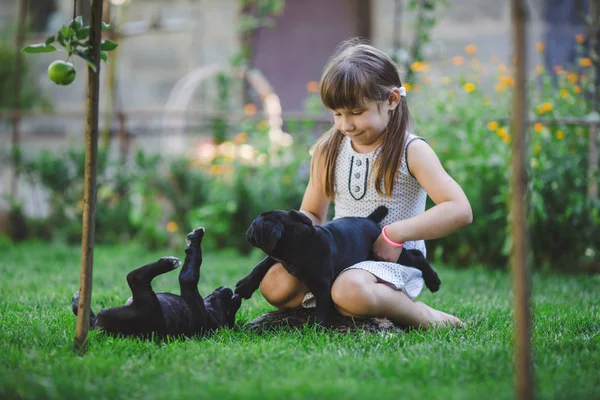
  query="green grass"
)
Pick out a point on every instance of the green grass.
point(37, 333)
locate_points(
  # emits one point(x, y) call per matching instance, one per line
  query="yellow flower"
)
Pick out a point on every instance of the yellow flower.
point(560, 134)
point(539, 46)
point(407, 86)
point(492, 125)
point(446, 80)
point(537, 149)
point(501, 132)
point(580, 38)
point(240, 138)
point(312, 86)
point(546, 107)
point(471, 49)
point(564, 93)
point(506, 138)
point(172, 226)
point(585, 62)
point(507, 80)
point(538, 127)
point(250, 109)
point(458, 60)
point(419, 66)
point(469, 87)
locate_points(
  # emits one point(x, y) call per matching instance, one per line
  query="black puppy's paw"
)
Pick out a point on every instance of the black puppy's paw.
point(432, 280)
point(174, 262)
point(195, 237)
point(75, 302)
point(247, 286)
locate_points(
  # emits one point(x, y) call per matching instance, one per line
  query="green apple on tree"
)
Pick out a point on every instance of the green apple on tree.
point(74, 38)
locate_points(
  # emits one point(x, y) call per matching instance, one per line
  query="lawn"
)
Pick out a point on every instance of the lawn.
point(37, 332)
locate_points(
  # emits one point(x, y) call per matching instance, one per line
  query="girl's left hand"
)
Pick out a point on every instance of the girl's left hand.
point(383, 251)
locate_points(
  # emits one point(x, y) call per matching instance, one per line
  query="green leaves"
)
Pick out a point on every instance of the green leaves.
point(39, 48)
point(74, 38)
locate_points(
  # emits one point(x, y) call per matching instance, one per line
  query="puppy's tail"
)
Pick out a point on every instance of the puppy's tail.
point(379, 214)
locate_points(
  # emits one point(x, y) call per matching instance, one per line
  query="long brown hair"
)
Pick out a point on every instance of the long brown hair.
point(356, 74)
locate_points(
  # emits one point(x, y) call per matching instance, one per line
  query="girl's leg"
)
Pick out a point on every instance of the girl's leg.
point(281, 289)
point(359, 293)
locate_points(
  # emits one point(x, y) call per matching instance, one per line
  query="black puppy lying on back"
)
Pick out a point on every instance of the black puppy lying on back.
point(163, 314)
point(316, 255)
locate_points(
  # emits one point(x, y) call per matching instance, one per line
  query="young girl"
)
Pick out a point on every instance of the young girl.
point(368, 159)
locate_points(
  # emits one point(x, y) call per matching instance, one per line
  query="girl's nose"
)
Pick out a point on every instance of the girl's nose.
point(347, 126)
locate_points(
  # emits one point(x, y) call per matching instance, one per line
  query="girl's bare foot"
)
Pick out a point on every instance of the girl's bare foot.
point(438, 318)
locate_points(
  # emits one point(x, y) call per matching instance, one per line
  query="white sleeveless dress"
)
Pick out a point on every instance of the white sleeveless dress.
point(355, 196)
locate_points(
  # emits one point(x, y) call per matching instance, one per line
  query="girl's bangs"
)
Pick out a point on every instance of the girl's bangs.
point(344, 88)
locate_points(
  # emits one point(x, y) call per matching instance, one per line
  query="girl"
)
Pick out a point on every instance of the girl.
point(368, 159)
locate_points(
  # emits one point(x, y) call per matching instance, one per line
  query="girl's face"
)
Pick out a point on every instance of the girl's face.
point(365, 126)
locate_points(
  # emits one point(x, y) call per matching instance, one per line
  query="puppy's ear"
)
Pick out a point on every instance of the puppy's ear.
point(300, 217)
point(270, 238)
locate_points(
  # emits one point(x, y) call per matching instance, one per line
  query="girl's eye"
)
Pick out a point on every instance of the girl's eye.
point(356, 112)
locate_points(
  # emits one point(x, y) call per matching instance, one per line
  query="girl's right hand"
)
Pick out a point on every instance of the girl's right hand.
point(383, 251)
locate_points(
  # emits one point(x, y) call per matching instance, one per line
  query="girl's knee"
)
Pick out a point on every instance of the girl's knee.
point(352, 293)
point(281, 289)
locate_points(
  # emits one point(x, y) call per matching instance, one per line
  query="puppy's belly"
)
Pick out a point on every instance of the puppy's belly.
point(176, 312)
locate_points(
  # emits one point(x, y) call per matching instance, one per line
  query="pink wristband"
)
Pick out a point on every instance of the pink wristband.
point(390, 241)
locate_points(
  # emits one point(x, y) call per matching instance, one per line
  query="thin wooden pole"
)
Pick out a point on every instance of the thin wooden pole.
point(16, 120)
point(89, 197)
point(593, 30)
point(520, 271)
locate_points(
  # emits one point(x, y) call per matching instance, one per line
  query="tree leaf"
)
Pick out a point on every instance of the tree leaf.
point(108, 45)
point(88, 60)
point(77, 23)
point(66, 32)
point(50, 40)
point(83, 32)
point(104, 56)
point(38, 48)
point(105, 26)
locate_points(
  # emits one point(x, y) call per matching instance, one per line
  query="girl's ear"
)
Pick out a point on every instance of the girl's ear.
point(393, 99)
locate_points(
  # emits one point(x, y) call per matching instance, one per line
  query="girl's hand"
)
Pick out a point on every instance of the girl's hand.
point(383, 251)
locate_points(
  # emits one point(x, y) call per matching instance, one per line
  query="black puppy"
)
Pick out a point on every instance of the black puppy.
point(316, 255)
point(162, 314)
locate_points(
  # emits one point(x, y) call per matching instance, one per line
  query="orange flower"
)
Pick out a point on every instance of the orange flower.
point(250, 109)
point(507, 80)
point(580, 38)
point(540, 47)
point(558, 69)
point(500, 87)
point(419, 66)
point(458, 60)
point(538, 127)
point(492, 125)
point(585, 62)
point(577, 89)
point(240, 138)
point(172, 226)
point(312, 86)
point(471, 49)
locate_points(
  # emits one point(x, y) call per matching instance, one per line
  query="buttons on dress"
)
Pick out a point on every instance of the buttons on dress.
point(357, 175)
point(358, 163)
point(356, 188)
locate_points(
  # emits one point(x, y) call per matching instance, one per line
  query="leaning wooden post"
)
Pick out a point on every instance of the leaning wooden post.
point(520, 272)
point(89, 196)
point(16, 116)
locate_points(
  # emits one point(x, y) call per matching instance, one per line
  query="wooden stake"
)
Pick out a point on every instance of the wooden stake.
point(89, 197)
point(520, 272)
point(16, 112)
